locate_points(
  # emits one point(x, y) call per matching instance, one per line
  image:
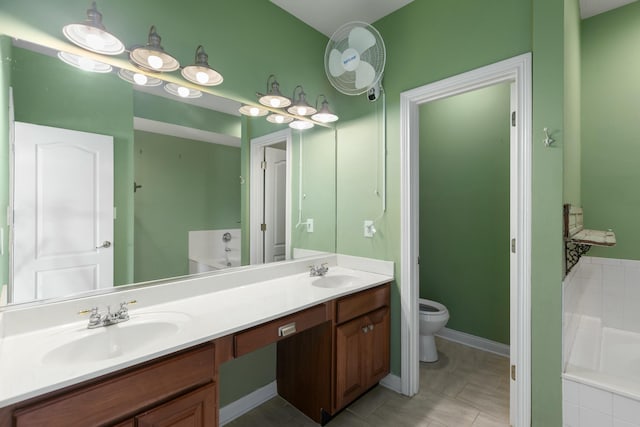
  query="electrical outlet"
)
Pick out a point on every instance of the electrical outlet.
point(369, 229)
point(309, 225)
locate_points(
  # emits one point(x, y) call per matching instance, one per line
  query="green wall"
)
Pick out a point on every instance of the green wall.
point(572, 97)
point(49, 92)
point(186, 186)
point(610, 128)
point(464, 209)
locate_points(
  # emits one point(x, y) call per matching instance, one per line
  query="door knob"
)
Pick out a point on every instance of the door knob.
point(104, 244)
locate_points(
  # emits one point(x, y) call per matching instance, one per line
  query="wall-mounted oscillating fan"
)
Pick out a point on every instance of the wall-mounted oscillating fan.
point(354, 58)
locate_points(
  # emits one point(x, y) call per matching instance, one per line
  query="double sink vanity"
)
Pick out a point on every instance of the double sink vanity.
point(157, 364)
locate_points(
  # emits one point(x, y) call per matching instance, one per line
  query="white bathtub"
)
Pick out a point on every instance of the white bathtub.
point(601, 380)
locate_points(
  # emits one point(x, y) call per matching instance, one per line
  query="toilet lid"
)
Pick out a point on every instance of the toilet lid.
point(428, 308)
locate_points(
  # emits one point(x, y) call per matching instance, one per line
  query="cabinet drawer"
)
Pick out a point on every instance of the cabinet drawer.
point(361, 303)
point(260, 336)
point(125, 394)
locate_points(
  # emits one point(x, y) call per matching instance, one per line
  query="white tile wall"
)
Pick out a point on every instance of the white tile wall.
point(608, 289)
point(586, 406)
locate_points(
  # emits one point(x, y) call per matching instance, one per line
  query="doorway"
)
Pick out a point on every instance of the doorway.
point(270, 204)
point(516, 72)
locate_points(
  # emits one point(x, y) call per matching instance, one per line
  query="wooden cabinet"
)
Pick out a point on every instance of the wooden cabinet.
point(362, 355)
point(180, 387)
point(327, 367)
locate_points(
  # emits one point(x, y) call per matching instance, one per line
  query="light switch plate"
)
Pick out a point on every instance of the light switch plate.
point(368, 228)
point(309, 225)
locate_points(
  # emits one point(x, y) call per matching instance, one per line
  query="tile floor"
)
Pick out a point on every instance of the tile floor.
point(466, 387)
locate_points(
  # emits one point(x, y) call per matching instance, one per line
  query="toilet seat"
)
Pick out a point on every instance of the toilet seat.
point(429, 307)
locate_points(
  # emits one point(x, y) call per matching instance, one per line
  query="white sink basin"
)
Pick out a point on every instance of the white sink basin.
point(91, 345)
point(335, 281)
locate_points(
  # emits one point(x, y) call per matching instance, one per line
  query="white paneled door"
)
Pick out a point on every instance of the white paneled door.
point(275, 196)
point(62, 212)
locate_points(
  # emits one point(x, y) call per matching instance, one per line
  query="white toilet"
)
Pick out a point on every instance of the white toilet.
point(433, 317)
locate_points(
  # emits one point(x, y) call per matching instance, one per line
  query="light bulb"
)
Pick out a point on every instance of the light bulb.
point(302, 111)
point(95, 41)
point(275, 102)
point(183, 91)
point(86, 64)
point(154, 61)
point(202, 77)
point(254, 111)
point(140, 79)
point(279, 119)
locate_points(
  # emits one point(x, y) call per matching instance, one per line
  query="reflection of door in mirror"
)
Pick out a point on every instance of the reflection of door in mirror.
point(64, 245)
point(274, 198)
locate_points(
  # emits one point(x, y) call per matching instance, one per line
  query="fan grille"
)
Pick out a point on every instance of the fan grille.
point(375, 55)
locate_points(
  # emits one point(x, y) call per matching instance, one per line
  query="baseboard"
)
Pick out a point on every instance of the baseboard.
point(474, 341)
point(243, 405)
point(392, 382)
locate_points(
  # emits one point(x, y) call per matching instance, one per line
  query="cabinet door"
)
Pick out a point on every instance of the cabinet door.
point(376, 349)
point(197, 409)
point(350, 373)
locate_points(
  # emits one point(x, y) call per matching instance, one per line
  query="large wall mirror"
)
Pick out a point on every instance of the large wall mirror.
point(111, 184)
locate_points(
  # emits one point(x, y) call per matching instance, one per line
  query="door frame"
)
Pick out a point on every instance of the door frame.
point(255, 190)
point(516, 70)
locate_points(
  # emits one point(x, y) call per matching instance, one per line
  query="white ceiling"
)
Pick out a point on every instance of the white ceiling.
point(327, 16)
point(590, 8)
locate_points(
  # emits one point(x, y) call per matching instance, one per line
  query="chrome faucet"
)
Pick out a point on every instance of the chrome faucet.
point(318, 270)
point(97, 320)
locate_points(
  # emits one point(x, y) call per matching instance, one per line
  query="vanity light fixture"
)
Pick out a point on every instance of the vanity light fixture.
point(84, 63)
point(201, 73)
point(301, 124)
point(324, 115)
point(301, 107)
point(181, 91)
point(274, 98)
point(138, 78)
point(253, 110)
point(152, 55)
point(279, 118)
point(92, 35)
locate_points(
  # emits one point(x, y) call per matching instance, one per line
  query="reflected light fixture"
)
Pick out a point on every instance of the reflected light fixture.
point(152, 55)
point(301, 107)
point(138, 78)
point(279, 118)
point(201, 73)
point(301, 124)
point(92, 35)
point(182, 91)
point(324, 115)
point(83, 63)
point(253, 110)
point(274, 98)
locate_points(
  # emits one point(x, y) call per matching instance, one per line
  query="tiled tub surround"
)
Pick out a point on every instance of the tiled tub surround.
point(601, 344)
point(215, 306)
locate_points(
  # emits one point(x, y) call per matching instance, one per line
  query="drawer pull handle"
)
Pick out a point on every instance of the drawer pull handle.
point(285, 330)
point(365, 329)
point(371, 327)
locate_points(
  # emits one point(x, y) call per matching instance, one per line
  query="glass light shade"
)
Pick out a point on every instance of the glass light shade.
point(274, 98)
point(301, 125)
point(138, 78)
point(279, 118)
point(153, 56)
point(325, 115)
point(182, 91)
point(253, 111)
point(301, 106)
point(201, 73)
point(83, 63)
point(92, 35)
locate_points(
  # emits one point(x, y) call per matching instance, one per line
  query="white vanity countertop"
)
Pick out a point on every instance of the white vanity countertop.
point(235, 301)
